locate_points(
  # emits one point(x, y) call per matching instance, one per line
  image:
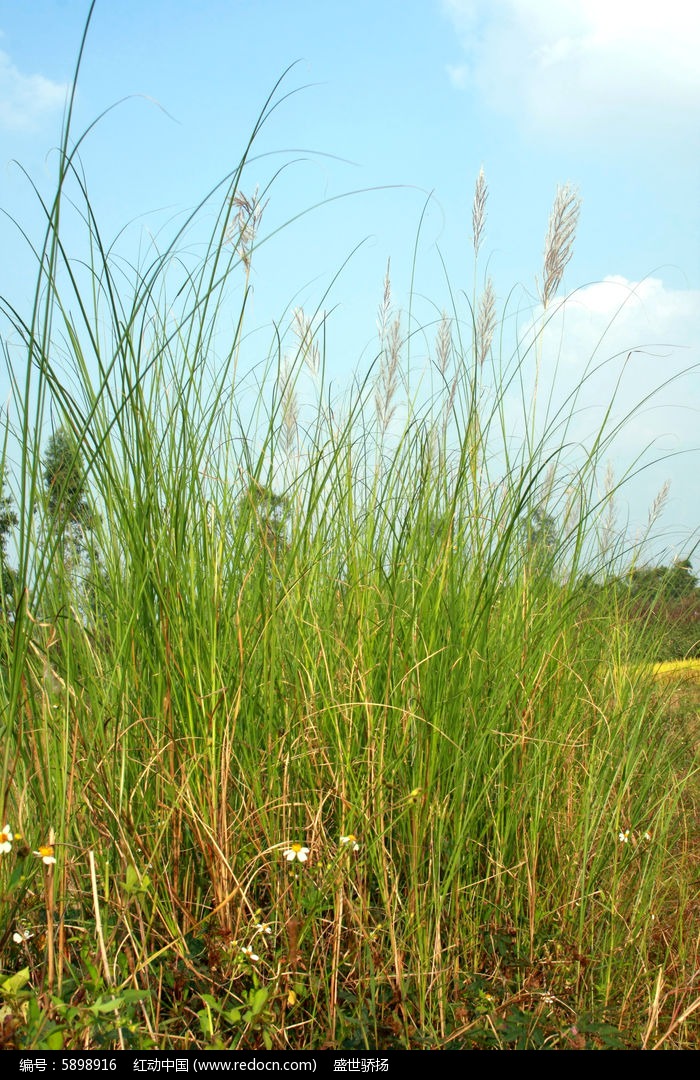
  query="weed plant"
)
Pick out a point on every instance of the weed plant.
point(311, 736)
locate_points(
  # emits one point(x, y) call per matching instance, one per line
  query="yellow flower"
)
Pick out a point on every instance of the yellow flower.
point(296, 851)
point(46, 854)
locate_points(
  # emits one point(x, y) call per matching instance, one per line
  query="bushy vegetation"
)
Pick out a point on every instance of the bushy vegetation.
point(313, 734)
point(667, 598)
point(661, 604)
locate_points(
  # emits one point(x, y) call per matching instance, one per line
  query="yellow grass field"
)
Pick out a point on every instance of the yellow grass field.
point(686, 669)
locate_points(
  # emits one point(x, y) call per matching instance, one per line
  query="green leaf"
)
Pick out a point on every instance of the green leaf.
point(15, 983)
point(54, 1041)
point(17, 877)
point(133, 996)
point(259, 1000)
point(135, 883)
point(108, 1006)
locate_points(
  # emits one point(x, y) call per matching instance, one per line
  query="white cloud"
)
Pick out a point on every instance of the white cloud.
point(618, 352)
point(626, 314)
point(585, 67)
point(25, 99)
point(625, 339)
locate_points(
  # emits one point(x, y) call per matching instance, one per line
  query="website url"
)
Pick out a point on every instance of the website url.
point(255, 1063)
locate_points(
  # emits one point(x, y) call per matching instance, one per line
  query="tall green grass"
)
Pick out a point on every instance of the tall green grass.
point(357, 630)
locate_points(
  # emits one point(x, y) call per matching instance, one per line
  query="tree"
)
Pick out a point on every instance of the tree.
point(65, 483)
point(666, 600)
point(268, 517)
point(680, 581)
point(8, 521)
point(540, 538)
point(663, 583)
point(69, 507)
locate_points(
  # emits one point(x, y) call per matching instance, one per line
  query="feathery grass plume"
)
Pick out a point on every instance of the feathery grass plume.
point(573, 509)
point(385, 307)
point(443, 344)
point(244, 228)
point(479, 211)
point(558, 245)
point(389, 375)
point(558, 249)
point(657, 507)
point(308, 347)
point(290, 407)
point(485, 322)
point(444, 348)
point(610, 517)
point(655, 511)
point(390, 350)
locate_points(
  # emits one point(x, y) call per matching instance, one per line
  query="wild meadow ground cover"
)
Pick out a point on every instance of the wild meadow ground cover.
point(310, 735)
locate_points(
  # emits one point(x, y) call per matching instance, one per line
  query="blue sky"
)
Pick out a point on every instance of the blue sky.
point(404, 102)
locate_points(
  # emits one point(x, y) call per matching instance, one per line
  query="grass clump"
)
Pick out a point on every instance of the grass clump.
point(311, 732)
